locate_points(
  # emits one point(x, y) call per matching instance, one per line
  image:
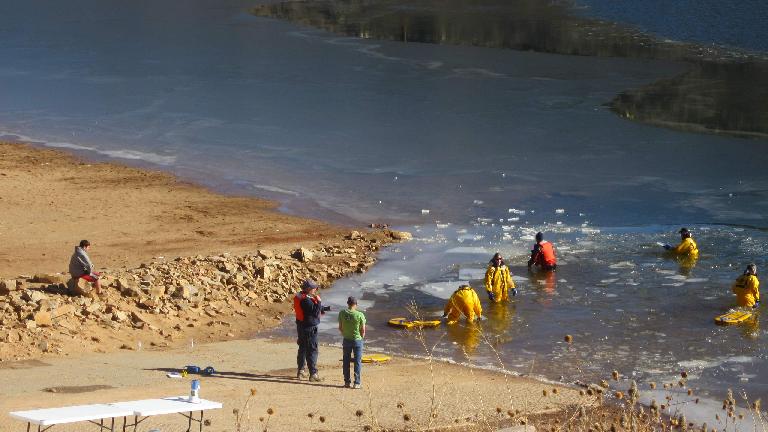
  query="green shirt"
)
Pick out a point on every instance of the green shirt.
point(351, 322)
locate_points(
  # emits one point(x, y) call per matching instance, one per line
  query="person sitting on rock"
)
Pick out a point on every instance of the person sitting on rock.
point(81, 267)
point(463, 301)
point(498, 280)
point(746, 288)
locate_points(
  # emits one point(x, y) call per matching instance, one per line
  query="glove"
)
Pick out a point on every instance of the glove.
point(444, 316)
point(514, 292)
point(491, 297)
point(667, 247)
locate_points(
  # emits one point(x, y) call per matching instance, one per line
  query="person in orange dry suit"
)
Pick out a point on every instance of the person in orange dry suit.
point(543, 254)
point(498, 280)
point(463, 301)
point(746, 288)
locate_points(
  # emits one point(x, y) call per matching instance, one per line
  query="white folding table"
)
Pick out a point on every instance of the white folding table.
point(140, 410)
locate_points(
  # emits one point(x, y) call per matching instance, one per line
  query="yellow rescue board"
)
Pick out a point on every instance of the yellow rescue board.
point(409, 324)
point(375, 358)
point(734, 317)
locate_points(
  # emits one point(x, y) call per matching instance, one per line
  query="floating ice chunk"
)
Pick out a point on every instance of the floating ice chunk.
point(484, 220)
point(582, 214)
point(622, 265)
point(513, 219)
point(587, 230)
point(442, 225)
point(665, 271)
point(467, 250)
point(695, 280)
point(676, 277)
point(562, 280)
point(507, 227)
point(471, 273)
point(461, 231)
point(478, 202)
point(676, 284)
point(558, 223)
point(559, 211)
point(470, 237)
point(611, 295)
point(740, 359)
point(516, 211)
point(518, 278)
point(608, 281)
point(424, 211)
point(441, 290)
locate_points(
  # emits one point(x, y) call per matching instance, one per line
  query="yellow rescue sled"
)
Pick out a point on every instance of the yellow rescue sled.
point(409, 324)
point(734, 317)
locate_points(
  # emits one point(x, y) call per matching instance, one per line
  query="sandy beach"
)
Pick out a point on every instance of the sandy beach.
point(50, 200)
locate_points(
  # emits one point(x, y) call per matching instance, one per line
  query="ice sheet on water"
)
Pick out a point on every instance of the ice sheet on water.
point(676, 277)
point(587, 230)
point(442, 225)
point(622, 265)
point(469, 237)
point(513, 219)
point(694, 280)
point(516, 211)
point(669, 272)
point(471, 273)
point(424, 211)
point(478, 202)
point(441, 290)
point(609, 281)
point(469, 250)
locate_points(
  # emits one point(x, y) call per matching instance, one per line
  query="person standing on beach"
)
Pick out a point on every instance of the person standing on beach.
point(352, 328)
point(498, 280)
point(308, 308)
point(81, 267)
point(543, 254)
point(686, 248)
point(463, 301)
point(746, 288)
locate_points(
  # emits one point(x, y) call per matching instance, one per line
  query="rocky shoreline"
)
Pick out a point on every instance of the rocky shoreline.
point(168, 302)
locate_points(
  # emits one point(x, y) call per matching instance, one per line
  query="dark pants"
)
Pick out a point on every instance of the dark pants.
point(349, 347)
point(307, 340)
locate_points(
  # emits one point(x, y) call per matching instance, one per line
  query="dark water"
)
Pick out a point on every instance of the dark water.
point(724, 91)
point(473, 149)
point(739, 24)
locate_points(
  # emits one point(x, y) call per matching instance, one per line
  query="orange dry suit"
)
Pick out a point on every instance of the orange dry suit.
point(543, 255)
point(498, 281)
point(463, 301)
point(687, 247)
point(746, 290)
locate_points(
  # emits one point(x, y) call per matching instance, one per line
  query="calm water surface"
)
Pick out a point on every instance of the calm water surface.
point(450, 142)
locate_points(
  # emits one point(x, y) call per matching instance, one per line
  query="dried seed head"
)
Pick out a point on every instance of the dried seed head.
point(235, 411)
point(684, 374)
point(253, 392)
point(652, 386)
point(615, 375)
point(690, 392)
point(544, 392)
point(554, 390)
point(311, 415)
point(406, 417)
point(270, 411)
point(400, 405)
point(322, 419)
point(359, 413)
point(619, 395)
point(367, 428)
point(568, 338)
point(756, 405)
point(604, 384)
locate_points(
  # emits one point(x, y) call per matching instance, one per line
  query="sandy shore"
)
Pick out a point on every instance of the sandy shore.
point(461, 397)
point(50, 201)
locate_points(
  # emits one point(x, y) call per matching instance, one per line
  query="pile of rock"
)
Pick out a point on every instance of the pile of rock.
point(159, 294)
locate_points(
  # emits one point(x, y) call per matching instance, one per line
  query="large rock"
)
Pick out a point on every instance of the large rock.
point(7, 286)
point(157, 291)
point(43, 319)
point(80, 287)
point(128, 287)
point(34, 296)
point(401, 235)
point(303, 254)
point(56, 278)
point(263, 272)
point(266, 254)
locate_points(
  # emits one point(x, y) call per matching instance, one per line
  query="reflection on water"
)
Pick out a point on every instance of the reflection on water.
point(723, 92)
point(713, 97)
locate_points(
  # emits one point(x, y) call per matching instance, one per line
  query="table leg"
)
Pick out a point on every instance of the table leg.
point(189, 424)
point(135, 423)
point(112, 428)
point(28, 426)
point(201, 421)
point(124, 421)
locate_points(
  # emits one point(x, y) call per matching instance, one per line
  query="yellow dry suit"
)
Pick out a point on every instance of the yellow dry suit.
point(746, 290)
point(687, 247)
point(463, 301)
point(499, 281)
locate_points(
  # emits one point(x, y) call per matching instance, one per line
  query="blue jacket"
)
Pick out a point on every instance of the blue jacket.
point(312, 309)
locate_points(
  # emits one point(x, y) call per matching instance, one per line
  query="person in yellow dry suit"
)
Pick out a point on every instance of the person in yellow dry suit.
point(498, 280)
point(746, 288)
point(463, 301)
point(686, 248)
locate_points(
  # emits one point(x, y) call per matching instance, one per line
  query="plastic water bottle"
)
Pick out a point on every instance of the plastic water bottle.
point(194, 393)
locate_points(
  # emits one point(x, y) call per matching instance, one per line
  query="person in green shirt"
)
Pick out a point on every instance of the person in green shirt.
point(352, 328)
